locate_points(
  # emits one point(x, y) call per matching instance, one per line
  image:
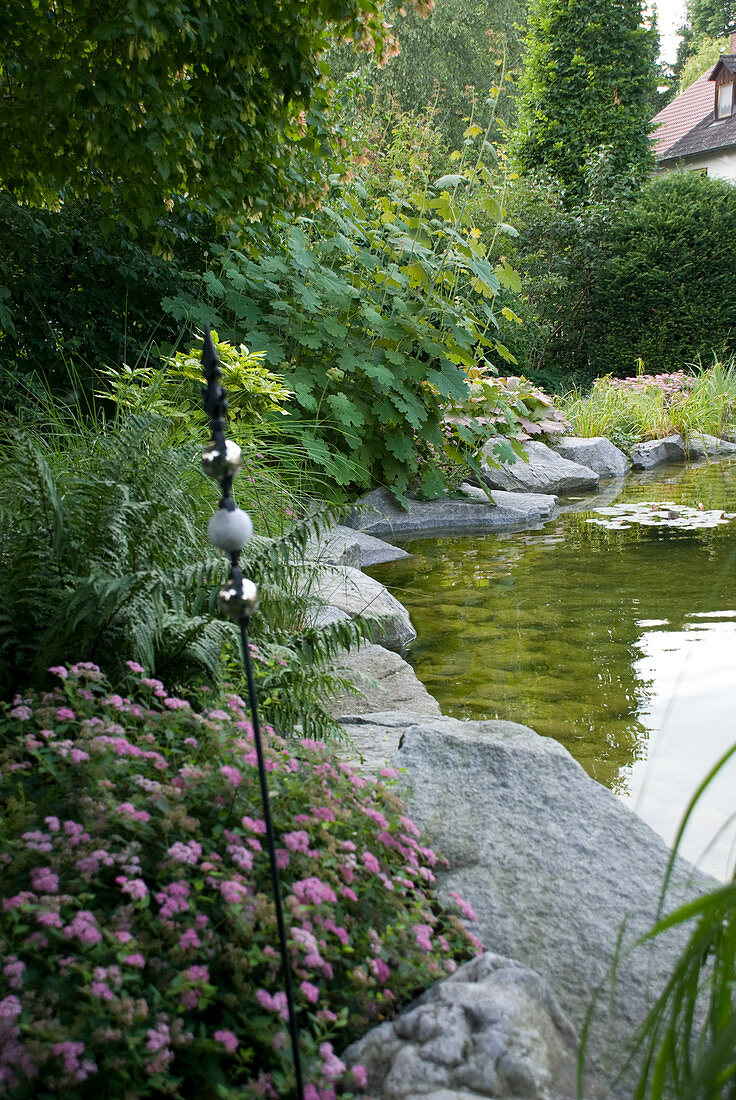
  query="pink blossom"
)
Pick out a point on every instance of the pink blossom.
point(255, 826)
point(332, 1067)
point(360, 1075)
point(311, 992)
point(23, 713)
point(176, 704)
point(65, 714)
point(129, 809)
point(158, 1037)
point(135, 960)
point(189, 939)
point(371, 862)
point(312, 891)
point(133, 666)
point(389, 773)
point(273, 1002)
point(297, 841)
point(233, 892)
point(101, 990)
point(228, 1040)
point(423, 936)
point(232, 775)
point(186, 853)
point(84, 927)
point(219, 716)
point(123, 937)
point(10, 1007)
point(466, 909)
point(44, 881)
point(13, 971)
point(60, 671)
point(197, 974)
point(133, 887)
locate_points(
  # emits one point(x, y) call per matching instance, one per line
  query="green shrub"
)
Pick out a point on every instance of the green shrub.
point(104, 556)
point(137, 926)
point(664, 292)
point(372, 311)
point(73, 299)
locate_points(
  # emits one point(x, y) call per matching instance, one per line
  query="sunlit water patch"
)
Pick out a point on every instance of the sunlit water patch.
point(619, 640)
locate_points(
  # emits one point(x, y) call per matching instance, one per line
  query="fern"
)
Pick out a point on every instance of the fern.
point(104, 557)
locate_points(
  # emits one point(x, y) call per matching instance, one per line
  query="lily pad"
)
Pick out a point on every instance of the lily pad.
point(659, 513)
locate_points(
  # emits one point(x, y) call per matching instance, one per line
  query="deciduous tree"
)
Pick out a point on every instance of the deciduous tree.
point(587, 87)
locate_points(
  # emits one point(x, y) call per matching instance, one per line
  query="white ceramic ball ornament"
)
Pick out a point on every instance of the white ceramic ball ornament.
point(215, 464)
point(230, 531)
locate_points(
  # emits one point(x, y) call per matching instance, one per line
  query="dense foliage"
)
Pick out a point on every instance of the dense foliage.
point(73, 298)
point(137, 929)
point(372, 311)
point(587, 87)
point(224, 102)
point(662, 293)
point(104, 557)
point(460, 48)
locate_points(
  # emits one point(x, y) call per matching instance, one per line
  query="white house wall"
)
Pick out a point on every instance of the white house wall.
point(720, 165)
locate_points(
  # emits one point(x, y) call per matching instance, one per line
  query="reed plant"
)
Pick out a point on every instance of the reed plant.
point(686, 1047)
point(692, 403)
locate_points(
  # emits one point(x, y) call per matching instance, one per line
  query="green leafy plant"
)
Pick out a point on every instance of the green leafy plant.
point(372, 311)
point(137, 927)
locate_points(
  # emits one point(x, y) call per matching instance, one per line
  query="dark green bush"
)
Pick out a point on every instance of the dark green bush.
point(72, 298)
point(665, 293)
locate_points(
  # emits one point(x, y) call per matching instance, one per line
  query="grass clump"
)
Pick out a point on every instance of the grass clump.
point(701, 401)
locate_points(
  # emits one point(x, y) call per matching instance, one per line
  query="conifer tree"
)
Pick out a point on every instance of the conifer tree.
point(587, 91)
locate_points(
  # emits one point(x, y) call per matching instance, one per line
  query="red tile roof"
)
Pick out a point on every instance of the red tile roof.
point(679, 116)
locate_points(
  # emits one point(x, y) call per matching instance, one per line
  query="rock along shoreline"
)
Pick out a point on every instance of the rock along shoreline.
point(564, 878)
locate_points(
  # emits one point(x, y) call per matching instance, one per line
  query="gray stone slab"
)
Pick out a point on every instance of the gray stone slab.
point(544, 471)
point(493, 1029)
point(385, 679)
point(595, 452)
point(653, 452)
point(378, 514)
point(553, 864)
point(349, 546)
point(354, 593)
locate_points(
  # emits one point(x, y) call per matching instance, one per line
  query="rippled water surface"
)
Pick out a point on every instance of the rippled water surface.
point(621, 644)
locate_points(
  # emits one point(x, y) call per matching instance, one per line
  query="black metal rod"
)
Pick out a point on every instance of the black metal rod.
point(276, 880)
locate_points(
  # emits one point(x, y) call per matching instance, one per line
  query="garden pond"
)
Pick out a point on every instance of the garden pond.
point(613, 632)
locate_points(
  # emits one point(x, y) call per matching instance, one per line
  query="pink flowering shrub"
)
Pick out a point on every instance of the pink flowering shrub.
point(137, 930)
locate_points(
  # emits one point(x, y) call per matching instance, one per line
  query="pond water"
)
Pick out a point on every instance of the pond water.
point(618, 641)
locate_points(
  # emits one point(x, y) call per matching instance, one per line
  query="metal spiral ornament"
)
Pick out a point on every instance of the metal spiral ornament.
point(231, 529)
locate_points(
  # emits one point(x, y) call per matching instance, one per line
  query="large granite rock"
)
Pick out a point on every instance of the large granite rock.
point(378, 513)
point(596, 452)
point(386, 681)
point(494, 1028)
point(653, 452)
point(708, 446)
point(543, 472)
point(348, 546)
point(553, 864)
point(345, 591)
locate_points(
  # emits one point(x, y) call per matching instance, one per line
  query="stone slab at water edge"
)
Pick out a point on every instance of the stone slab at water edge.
point(385, 680)
point(544, 471)
point(596, 453)
point(552, 863)
point(378, 513)
point(673, 448)
point(346, 592)
point(348, 546)
point(493, 1028)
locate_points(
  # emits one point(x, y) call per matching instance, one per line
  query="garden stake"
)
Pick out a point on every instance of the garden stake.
point(231, 529)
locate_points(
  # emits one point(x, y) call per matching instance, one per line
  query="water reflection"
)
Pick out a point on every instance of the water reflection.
point(577, 632)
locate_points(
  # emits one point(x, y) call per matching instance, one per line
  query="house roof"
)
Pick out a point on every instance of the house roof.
point(703, 138)
point(727, 61)
point(676, 119)
point(687, 125)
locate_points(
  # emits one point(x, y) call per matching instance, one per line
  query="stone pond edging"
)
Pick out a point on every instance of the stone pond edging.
point(553, 863)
